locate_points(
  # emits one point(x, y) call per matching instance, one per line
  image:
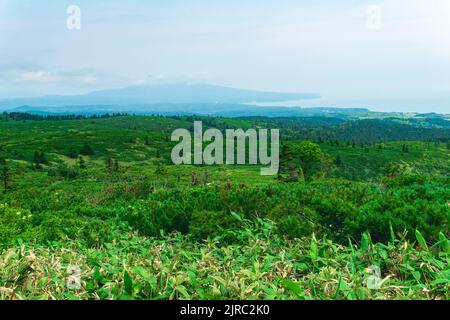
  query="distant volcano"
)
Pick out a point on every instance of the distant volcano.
point(158, 94)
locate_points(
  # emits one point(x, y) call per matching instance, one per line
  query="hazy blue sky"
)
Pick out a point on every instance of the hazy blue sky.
point(320, 46)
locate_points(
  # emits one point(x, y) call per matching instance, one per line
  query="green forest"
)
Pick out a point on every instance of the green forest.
point(100, 195)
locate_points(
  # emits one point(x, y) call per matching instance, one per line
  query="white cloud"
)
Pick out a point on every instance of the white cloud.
point(38, 76)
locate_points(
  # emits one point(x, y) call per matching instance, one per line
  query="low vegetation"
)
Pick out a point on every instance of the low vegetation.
point(98, 196)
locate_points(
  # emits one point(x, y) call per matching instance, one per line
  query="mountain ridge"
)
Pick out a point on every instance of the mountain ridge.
point(157, 94)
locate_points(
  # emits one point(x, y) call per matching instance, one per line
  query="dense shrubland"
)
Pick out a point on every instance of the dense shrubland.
point(262, 265)
point(99, 193)
point(336, 209)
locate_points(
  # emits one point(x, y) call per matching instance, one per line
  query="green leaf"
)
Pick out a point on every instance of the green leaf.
point(192, 277)
point(294, 287)
point(383, 254)
point(421, 240)
point(365, 242)
point(391, 231)
point(128, 282)
point(70, 296)
point(416, 275)
point(443, 241)
point(314, 251)
point(336, 294)
point(439, 282)
point(236, 216)
point(147, 276)
point(342, 286)
point(182, 290)
point(97, 275)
